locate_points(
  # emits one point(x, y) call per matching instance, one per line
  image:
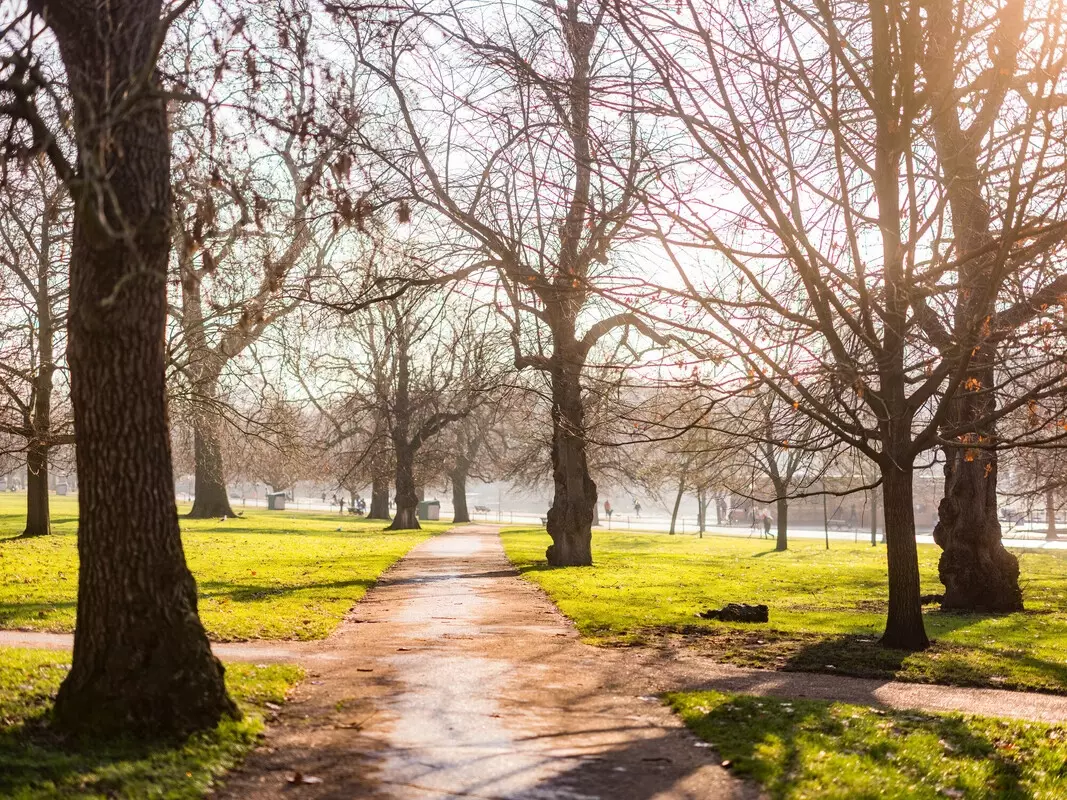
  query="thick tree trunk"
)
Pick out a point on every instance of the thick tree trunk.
point(978, 573)
point(210, 498)
point(38, 519)
point(904, 628)
point(407, 498)
point(570, 518)
point(142, 664)
point(782, 544)
point(379, 498)
point(1050, 512)
point(458, 477)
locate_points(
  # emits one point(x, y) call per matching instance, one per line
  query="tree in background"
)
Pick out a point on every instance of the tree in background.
point(529, 178)
point(262, 203)
point(809, 140)
point(35, 230)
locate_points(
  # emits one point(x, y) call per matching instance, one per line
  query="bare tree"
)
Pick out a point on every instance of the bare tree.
point(812, 135)
point(262, 201)
point(35, 228)
point(531, 173)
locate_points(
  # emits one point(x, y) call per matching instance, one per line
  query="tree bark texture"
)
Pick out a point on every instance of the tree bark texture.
point(142, 664)
point(979, 574)
point(570, 519)
point(904, 628)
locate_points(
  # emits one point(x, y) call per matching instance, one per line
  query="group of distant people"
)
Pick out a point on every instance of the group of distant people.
point(357, 507)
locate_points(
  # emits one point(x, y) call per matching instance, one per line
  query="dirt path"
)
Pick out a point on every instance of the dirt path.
point(459, 679)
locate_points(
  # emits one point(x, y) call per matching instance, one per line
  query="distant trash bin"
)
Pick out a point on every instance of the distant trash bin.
point(430, 510)
point(276, 501)
point(62, 489)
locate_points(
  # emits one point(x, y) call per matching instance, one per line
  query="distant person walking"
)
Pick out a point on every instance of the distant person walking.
point(607, 508)
point(637, 508)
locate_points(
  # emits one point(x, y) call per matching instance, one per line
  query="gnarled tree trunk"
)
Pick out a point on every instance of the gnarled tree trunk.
point(142, 664)
point(904, 628)
point(978, 573)
point(407, 497)
point(570, 518)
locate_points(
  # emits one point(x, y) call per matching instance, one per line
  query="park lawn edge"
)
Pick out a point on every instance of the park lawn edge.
point(766, 646)
point(806, 748)
point(36, 763)
point(280, 576)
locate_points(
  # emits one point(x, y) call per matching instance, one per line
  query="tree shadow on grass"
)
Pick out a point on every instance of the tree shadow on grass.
point(244, 592)
point(30, 611)
point(943, 663)
point(782, 749)
point(35, 761)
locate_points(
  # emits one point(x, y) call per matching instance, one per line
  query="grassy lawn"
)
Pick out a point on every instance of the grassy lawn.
point(809, 748)
point(827, 608)
point(266, 575)
point(35, 763)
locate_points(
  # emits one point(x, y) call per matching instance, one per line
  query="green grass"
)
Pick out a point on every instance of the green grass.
point(266, 575)
point(816, 749)
point(827, 608)
point(36, 763)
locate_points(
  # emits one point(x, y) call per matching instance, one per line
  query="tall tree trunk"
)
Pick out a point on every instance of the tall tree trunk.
point(379, 497)
point(904, 628)
point(570, 519)
point(677, 503)
point(38, 519)
point(142, 664)
point(1050, 512)
point(407, 498)
point(782, 544)
point(210, 498)
point(702, 509)
point(978, 573)
point(458, 476)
